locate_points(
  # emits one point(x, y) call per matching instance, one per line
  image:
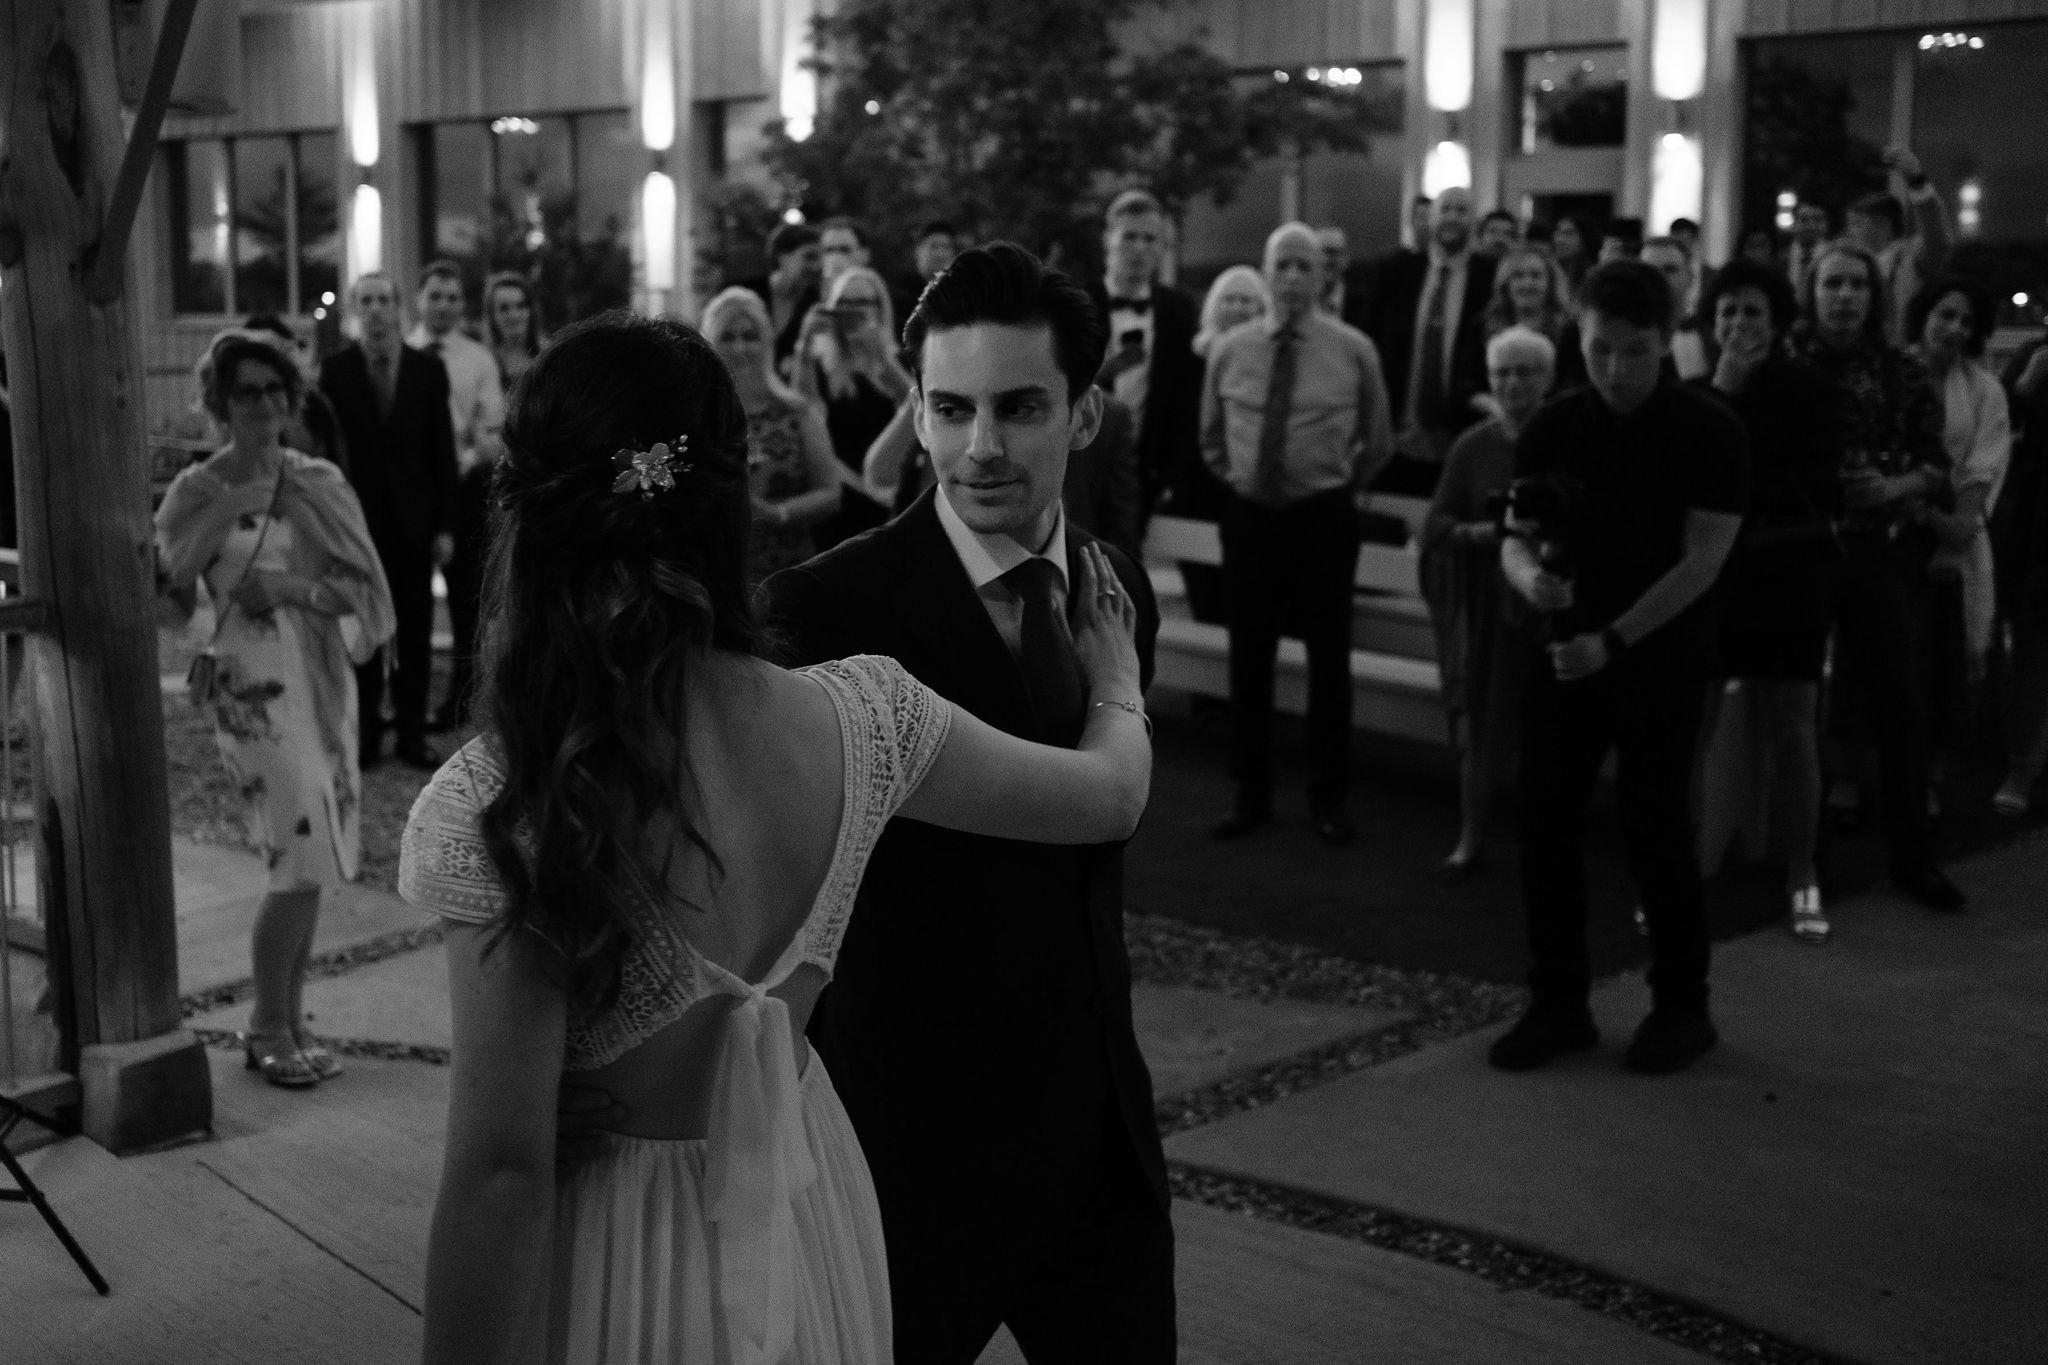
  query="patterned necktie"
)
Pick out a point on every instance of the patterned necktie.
point(1426, 385)
point(1051, 671)
point(1269, 479)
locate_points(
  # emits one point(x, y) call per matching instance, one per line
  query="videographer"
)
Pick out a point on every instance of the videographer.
point(1649, 482)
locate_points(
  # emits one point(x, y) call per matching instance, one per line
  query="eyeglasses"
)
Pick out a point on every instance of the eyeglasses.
point(256, 393)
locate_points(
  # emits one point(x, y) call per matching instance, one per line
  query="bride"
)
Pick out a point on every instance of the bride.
point(646, 862)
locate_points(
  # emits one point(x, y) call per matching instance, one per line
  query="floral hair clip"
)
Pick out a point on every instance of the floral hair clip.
point(650, 469)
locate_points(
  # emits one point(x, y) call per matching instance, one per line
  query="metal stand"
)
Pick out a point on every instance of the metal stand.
point(12, 1112)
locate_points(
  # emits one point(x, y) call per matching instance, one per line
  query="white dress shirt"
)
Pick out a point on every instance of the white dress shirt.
point(1134, 384)
point(476, 396)
point(987, 558)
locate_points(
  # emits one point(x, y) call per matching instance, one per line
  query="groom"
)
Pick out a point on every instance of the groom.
point(978, 1026)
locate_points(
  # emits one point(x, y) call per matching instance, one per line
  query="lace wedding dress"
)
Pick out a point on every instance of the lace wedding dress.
point(762, 1241)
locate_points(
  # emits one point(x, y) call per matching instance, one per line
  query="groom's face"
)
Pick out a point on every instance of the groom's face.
point(994, 415)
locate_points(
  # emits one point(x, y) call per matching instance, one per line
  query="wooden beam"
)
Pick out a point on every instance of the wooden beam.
point(105, 257)
point(75, 368)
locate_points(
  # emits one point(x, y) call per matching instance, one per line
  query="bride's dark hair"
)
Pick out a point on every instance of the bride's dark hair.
point(596, 604)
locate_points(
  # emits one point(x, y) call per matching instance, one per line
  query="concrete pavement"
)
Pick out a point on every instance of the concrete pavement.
point(1859, 1168)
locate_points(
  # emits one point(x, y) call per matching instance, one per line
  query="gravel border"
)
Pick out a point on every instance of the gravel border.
point(1502, 1264)
point(321, 967)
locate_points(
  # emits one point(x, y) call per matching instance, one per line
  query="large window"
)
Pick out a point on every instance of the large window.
point(1821, 110)
point(253, 223)
point(550, 197)
point(1572, 97)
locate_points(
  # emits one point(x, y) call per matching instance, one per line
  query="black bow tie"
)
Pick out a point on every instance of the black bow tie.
point(1130, 305)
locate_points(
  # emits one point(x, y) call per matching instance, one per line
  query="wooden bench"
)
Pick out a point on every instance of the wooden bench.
point(1393, 658)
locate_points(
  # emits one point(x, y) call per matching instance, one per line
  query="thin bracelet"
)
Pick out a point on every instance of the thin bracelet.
point(1134, 709)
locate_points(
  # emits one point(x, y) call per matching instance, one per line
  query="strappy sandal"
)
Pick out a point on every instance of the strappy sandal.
point(324, 1063)
point(1809, 921)
point(278, 1058)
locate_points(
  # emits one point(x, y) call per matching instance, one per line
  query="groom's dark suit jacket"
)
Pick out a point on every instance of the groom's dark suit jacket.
point(980, 1013)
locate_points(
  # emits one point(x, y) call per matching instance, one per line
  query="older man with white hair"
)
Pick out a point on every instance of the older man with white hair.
point(1295, 424)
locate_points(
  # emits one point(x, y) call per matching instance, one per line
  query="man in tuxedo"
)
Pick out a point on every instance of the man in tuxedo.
point(1151, 365)
point(392, 404)
point(1427, 320)
point(978, 1025)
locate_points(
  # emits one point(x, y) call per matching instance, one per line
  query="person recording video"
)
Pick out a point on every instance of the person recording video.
point(1637, 488)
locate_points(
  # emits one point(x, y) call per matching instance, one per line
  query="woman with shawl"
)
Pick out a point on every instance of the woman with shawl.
point(299, 598)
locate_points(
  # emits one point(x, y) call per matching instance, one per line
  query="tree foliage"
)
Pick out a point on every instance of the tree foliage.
point(1799, 140)
point(1023, 117)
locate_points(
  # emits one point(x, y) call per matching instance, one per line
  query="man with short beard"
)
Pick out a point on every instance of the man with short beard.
point(1427, 320)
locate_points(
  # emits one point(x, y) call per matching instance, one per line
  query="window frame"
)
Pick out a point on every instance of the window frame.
point(178, 194)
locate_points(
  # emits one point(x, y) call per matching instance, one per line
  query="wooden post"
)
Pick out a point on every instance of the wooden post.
point(75, 367)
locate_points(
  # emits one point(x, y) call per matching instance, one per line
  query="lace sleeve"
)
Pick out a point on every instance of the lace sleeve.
point(914, 722)
point(923, 720)
point(443, 865)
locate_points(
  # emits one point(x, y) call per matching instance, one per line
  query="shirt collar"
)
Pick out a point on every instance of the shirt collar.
point(419, 338)
point(1109, 290)
point(1438, 256)
point(987, 558)
point(1269, 322)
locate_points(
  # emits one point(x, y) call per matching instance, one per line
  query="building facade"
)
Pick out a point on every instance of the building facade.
point(588, 139)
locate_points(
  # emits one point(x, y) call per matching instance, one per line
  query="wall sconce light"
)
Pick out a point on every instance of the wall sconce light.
point(1447, 167)
point(658, 230)
point(366, 232)
point(1447, 55)
point(1677, 180)
point(1678, 51)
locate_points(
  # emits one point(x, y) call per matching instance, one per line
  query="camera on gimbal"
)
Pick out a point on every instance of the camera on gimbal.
point(1548, 511)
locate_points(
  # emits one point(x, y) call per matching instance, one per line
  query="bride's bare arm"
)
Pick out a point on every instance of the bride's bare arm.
point(488, 1252)
point(986, 781)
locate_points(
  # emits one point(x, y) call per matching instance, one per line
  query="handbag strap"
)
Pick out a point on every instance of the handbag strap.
point(220, 615)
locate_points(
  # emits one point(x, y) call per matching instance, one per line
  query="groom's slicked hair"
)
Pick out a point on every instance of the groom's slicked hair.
point(1004, 284)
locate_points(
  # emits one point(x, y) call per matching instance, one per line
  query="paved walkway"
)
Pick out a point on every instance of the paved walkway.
point(1859, 1169)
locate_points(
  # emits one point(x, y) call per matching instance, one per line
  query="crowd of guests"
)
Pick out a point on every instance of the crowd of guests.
point(1646, 479)
point(1886, 570)
point(1887, 565)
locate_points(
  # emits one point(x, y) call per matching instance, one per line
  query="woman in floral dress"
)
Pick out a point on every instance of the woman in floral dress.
point(791, 471)
point(300, 598)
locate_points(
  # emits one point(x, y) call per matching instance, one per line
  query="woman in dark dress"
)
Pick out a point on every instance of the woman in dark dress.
point(848, 364)
point(1484, 641)
point(1776, 587)
point(1894, 467)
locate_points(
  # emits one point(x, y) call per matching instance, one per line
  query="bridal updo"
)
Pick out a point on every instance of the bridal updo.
point(605, 582)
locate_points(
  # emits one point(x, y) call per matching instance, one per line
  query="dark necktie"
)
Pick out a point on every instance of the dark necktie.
point(1269, 479)
point(384, 381)
point(1426, 385)
point(1047, 648)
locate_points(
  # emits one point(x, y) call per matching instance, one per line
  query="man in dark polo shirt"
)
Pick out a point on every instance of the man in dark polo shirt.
point(1658, 477)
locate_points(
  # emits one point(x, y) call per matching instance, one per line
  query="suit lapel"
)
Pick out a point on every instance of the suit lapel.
point(960, 654)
